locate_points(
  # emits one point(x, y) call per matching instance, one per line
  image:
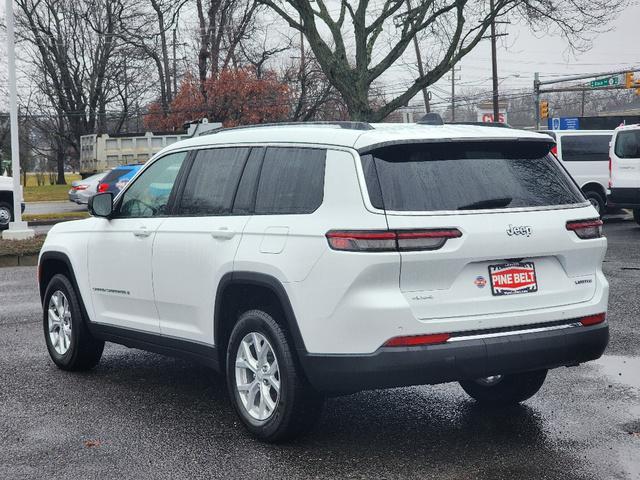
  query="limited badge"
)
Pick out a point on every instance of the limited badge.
point(480, 281)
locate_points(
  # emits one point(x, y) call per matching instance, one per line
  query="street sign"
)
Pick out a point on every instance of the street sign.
point(605, 82)
point(564, 123)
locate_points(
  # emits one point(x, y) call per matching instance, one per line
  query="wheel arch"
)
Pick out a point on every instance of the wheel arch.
point(244, 289)
point(6, 196)
point(595, 187)
point(52, 263)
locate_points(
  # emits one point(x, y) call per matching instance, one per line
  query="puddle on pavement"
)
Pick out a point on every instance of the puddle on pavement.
point(621, 369)
point(626, 371)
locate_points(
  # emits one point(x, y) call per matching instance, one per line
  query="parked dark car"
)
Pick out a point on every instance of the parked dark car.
point(117, 178)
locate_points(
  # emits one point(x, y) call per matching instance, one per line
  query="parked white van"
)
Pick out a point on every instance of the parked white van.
point(585, 155)
point(624, 167)
point(6, 202)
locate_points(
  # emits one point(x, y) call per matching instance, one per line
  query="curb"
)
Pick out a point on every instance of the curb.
point(19, 260)
point(53, 221)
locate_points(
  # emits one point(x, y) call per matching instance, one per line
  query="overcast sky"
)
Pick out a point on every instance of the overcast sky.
point(521, 53)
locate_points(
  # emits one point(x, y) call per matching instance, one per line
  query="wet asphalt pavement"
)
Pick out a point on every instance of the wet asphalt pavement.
point(141, 415)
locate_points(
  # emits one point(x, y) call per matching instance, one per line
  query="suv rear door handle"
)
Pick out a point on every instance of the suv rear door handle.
point(142, 232)
point(223, 233)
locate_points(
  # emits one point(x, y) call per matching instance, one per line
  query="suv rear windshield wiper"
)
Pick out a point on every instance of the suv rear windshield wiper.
point(489, 203)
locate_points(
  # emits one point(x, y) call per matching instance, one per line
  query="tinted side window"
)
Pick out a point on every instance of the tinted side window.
point(212, 181)
point(628, 144)
point(149, 195)
point(247, 189)
point(585, 148)
point(292, 181)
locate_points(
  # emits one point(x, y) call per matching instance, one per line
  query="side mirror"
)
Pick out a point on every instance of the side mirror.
point(101, 205)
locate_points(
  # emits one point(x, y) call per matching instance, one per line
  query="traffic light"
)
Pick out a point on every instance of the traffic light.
point(544, 109)
point(628, 80)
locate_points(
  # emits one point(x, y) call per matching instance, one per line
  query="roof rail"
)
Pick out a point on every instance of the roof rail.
point(483, 124)
point(341, 124)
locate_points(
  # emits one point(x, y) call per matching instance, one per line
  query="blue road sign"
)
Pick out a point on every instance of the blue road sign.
point(564, 123)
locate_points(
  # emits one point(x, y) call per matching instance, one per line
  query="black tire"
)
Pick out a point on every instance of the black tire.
point(6, 211)
point(509, 390)
point(298, 406)
point(84, 351)
point(636, 215)
point(596, 200)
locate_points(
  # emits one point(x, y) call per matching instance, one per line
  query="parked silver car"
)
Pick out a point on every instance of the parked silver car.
point(82, 190)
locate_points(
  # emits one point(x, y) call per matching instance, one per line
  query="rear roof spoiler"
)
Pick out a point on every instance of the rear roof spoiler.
point(369, 148)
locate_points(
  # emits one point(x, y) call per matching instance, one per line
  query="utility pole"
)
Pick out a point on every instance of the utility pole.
point(494, 67)
point(536, 98)
point(175, 69)
point(302, 58)
point(126, 96)
point(416, 45)
point(18, 230)
point(453, 92)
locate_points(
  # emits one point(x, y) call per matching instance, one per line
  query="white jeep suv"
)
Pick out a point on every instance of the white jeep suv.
point(319, 259)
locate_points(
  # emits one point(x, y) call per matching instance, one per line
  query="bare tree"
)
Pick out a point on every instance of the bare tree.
point(450, 28)
point(222, 25)
point(70, 44)
point(313, 96)
point(146, 27)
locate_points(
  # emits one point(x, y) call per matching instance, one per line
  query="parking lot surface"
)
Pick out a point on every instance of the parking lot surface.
point(141, 415)
point(62, 206)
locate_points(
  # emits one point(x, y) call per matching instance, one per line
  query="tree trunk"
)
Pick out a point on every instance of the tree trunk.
point(60, 163)
point(164, 51)
point(356, 97)
point(60, 151)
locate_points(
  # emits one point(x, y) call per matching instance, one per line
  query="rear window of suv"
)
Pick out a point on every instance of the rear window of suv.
point(628, 144)
point(115, 174)
point(466, 176)
point(585, 148)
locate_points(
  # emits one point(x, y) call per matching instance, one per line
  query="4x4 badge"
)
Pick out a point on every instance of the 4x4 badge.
point(519, 230)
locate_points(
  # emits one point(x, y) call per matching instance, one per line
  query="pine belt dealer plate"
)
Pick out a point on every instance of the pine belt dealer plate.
point(513, 278)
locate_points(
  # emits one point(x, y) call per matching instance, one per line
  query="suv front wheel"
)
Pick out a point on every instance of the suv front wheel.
point(499, 390)
point(266, 385)
point(70, 344)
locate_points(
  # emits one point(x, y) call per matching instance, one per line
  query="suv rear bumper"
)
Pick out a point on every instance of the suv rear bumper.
point(624, 197)
point(453, 361)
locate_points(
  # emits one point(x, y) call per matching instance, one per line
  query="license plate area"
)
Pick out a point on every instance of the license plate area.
point(513, 278)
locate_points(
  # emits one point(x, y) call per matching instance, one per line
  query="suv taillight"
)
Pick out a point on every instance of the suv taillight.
point(586, 229)
point(103, 187)
point(389, 241)
point(593, 319)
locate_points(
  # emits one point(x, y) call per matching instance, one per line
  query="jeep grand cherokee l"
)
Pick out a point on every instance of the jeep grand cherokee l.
point(311, 260)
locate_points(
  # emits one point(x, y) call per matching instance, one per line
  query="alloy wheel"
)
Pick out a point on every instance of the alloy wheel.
point(59, 321)
point(5, 216)
point(257, 376)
